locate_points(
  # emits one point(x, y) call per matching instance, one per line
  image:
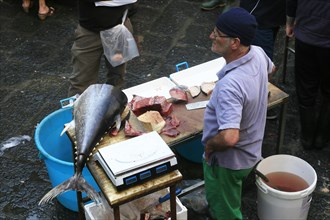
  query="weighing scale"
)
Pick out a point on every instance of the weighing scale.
point(136, 160)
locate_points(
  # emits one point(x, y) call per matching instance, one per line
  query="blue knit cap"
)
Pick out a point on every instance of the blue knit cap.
point(237, 22)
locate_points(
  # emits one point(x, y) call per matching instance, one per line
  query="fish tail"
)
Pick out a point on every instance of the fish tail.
point(76, 182)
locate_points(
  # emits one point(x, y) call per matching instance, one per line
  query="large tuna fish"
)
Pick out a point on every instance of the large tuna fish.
point(95, 111)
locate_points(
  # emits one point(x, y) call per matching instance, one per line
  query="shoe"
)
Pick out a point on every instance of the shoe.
point(226, 8)
point(48, 14)
point(210, 5)
point(26, 9)
point(230, 4)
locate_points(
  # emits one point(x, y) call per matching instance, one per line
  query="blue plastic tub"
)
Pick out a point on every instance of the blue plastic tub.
point(56, 151)
point(191, 149)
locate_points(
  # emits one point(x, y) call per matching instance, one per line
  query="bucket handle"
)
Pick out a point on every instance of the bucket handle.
point(68, 102)
point(177, 66)
point(307, 204)
point(261, 187)
point(304, 194)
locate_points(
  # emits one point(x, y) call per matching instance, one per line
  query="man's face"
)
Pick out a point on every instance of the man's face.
point(220, 42)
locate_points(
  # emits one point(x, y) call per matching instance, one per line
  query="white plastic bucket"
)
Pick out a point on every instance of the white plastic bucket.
point(276, 204)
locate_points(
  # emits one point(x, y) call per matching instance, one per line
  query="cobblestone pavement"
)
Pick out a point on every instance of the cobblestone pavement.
point(35, 66)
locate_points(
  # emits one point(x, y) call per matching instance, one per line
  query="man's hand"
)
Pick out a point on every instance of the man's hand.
point(208, 150)
point(272, 73)
point(289, 26)
point(224, 140)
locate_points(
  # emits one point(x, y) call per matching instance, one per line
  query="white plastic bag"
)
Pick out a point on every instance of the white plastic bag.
point(119, 44)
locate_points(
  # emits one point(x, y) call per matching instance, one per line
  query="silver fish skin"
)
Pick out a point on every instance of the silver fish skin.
point(95, 112)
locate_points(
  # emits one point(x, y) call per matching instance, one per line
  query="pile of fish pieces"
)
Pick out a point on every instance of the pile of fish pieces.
point(156, 112)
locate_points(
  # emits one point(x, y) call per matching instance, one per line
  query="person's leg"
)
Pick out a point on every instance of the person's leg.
point(115, 75)
point(322, 133)
point(223, 190)
point(86, 56)
point(323, 124)
point(307, 86)
point(307, 125)
point(230, 4)
point(42, 6)
point(44, 11)
point(26, 5)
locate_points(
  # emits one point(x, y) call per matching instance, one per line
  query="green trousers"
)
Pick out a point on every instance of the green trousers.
point(223, 189)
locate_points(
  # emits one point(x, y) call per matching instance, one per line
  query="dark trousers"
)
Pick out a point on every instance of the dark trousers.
point(312, 73)
point(312, 77)
point(265, 38)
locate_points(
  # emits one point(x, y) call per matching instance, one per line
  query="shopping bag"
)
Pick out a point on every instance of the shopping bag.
point(119, 44)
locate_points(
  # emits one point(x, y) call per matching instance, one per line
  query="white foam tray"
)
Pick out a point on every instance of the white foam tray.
point(156, 87)
point(196, 75)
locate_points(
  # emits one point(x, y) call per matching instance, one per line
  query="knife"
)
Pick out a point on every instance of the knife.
point(197, 105)
point(162, 199)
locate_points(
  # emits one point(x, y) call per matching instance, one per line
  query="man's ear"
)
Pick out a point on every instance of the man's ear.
point(235, 43)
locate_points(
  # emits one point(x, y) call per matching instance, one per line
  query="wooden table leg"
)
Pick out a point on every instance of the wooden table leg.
point(280, 137)
point(81, 214)
point(116, 212)
point(173, 202)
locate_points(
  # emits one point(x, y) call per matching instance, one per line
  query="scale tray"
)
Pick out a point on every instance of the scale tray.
point(136, 160)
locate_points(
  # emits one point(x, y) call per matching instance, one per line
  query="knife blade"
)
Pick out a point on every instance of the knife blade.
point(197, 105)
point(161, 200)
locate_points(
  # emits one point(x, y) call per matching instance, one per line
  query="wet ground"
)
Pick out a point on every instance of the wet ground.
point(35, 66)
